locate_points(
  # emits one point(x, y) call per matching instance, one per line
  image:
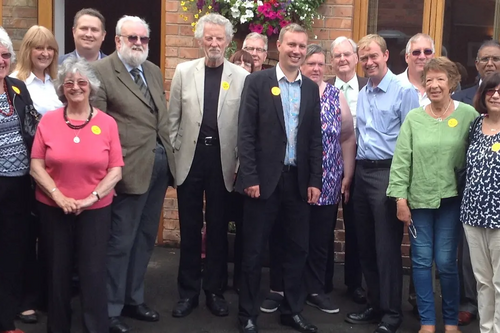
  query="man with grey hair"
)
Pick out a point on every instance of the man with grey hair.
point(132, 93)
point(202, 123)
point(419, 50)
point(256, 45)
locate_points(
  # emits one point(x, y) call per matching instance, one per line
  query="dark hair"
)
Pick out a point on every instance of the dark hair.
point(90, 12)
point(247, 57)
point(490, 82)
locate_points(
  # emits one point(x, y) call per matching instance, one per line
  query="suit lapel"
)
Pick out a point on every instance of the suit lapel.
point(199, 81)
point(124, 76)
point(155, 89)
point(227, 77)
point(302, 110)
point(278, 106)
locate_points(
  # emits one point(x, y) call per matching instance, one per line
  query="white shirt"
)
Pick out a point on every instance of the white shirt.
point(43, 94)
point(422, 98)
point(351, 94)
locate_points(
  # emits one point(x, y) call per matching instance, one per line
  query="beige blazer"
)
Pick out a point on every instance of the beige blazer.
point(120, 97)
point(186, 113)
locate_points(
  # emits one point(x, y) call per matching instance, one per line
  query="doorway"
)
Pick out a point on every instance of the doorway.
point(113, 10)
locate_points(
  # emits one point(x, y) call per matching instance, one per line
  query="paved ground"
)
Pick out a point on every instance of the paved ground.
point(161, 294)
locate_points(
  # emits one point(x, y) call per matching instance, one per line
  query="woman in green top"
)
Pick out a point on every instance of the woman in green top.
point(431, 144)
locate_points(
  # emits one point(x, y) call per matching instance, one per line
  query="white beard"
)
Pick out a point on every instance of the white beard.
point(132, 57)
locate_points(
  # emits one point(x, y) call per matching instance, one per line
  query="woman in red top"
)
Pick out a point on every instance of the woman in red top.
point(76, 162)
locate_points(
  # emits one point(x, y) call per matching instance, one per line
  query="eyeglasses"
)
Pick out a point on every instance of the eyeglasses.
point(133, 39)
point(6, 56)
point(491, 92)
point(339, 55)
point(412, 229)
point(426, 52)
point(251, 49)
point(485, 60)
point(80, 83)
point(239, 63)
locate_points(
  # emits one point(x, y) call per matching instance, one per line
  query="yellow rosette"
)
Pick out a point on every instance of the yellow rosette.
point(96, 130)
point(275, 91)
point(495, 147)
point(16, 90)
point(452, 122)
point(225, 85)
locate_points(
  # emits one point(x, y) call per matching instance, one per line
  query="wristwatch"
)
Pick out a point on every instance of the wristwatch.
point(397, 199)
point(96, 195)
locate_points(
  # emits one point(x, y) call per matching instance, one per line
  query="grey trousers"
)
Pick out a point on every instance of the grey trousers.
point(468, 290)
point(134, 225)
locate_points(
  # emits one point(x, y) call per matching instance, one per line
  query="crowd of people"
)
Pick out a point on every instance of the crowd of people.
point(88, 148)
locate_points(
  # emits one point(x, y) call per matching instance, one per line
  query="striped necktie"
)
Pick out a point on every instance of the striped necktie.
point(136, 73)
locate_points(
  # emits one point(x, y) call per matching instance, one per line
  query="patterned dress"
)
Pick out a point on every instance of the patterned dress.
point(480, 206)
point(333, 164)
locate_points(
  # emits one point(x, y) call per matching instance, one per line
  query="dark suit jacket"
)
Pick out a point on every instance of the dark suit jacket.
point(65, 56)
point(262, 138)
point(466, 95)
point(139, 128)
point(361, 81)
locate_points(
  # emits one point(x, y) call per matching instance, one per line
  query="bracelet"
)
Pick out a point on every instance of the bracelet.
point(53, 190)
point(397, 199)
point(97, 195)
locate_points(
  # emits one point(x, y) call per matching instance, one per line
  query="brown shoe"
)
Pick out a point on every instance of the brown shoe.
point(465, 318)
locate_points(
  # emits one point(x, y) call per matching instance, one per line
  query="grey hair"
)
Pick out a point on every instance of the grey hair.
point(7, 43)
point(314, 49)
point(256, 35)
point(488, 43)
point(416, 38)
point(216, 19)
point(76, 65)
point(342, 39)
point(127, 18)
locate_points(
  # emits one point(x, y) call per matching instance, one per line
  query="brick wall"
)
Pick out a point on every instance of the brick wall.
point(18, 17)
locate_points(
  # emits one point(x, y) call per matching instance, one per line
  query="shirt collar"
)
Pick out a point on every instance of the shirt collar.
point(384, 84)
point(280, 75)
point(99, 57)
point(127, 66)
point(32, 78)
point(353, 82)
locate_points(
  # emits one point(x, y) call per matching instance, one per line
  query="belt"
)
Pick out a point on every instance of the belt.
point(208, 141)
point(289, 168)
point(380, 164)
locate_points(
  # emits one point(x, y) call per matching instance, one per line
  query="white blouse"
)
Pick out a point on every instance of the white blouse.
point(43, 94)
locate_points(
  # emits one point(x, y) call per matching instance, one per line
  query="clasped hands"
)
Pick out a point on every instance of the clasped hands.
point(72, 206)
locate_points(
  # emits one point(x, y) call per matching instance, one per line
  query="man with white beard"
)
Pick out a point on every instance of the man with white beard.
point(132, 93)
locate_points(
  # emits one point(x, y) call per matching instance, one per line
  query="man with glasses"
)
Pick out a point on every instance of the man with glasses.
point(89, 31)
point(419, 50)
point(132, 93)
point(344, 61)
point(487, 62)
point(256, 45)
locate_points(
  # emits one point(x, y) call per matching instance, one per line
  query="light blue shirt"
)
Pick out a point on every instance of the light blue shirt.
point(290, 99)
point(129, 68)
point(380, 114)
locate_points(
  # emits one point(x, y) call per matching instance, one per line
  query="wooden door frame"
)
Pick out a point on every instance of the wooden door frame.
point(46, 18)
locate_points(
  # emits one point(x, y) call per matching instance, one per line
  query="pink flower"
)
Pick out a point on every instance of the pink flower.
point(272, 15)
point(270, 30)
point(284, 23)
point(256, 28)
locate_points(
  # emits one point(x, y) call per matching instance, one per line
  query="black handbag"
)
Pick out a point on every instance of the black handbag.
point(461, 173)
point(30, 123)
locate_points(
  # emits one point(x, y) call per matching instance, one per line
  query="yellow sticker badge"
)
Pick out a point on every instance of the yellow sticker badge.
point(495, 147)
point(96, 130)
point(16, 90)
point(452, 122)
point(225, 85)
point(275, 91)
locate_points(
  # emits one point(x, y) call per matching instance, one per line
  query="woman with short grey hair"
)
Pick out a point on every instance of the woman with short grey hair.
point(76, 162)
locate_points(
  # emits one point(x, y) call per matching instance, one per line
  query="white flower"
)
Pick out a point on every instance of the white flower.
point(315, 36)
point(249, 13)
point(235, 12)
point(259, 3)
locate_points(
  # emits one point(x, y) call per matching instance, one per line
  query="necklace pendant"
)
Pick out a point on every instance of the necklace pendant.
point(76, 139)
point(439, 119)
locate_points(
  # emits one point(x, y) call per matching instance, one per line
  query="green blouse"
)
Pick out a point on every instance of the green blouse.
point(427, 153)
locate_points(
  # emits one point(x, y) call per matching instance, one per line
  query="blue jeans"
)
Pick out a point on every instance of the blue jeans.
point(438, 232)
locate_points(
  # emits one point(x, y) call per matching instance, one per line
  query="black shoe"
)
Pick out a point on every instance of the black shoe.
point(184, 307)
point(367, 316)
point(28, 319)
point(323, 303)
point(117, 326)
point(358, 295)
point(249, 327)
point(298, 323)
point(217, 305)
point(271, 303)
point(385, 328)
point(140, 312)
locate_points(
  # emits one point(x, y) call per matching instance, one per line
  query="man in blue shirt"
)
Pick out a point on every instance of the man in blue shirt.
point(382, 107)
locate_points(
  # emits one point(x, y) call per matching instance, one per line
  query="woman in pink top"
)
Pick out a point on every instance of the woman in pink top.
point(76, 162)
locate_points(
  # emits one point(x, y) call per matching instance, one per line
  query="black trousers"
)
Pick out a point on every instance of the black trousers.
point(286, 206)
point(14, 225)
point(235, 214)
point(380, 234)
point(204, 180)
point(84, 237)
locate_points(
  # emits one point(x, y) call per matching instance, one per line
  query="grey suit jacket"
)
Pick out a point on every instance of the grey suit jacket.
point(121, 98)
point(186, 114)
point(67, 55)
